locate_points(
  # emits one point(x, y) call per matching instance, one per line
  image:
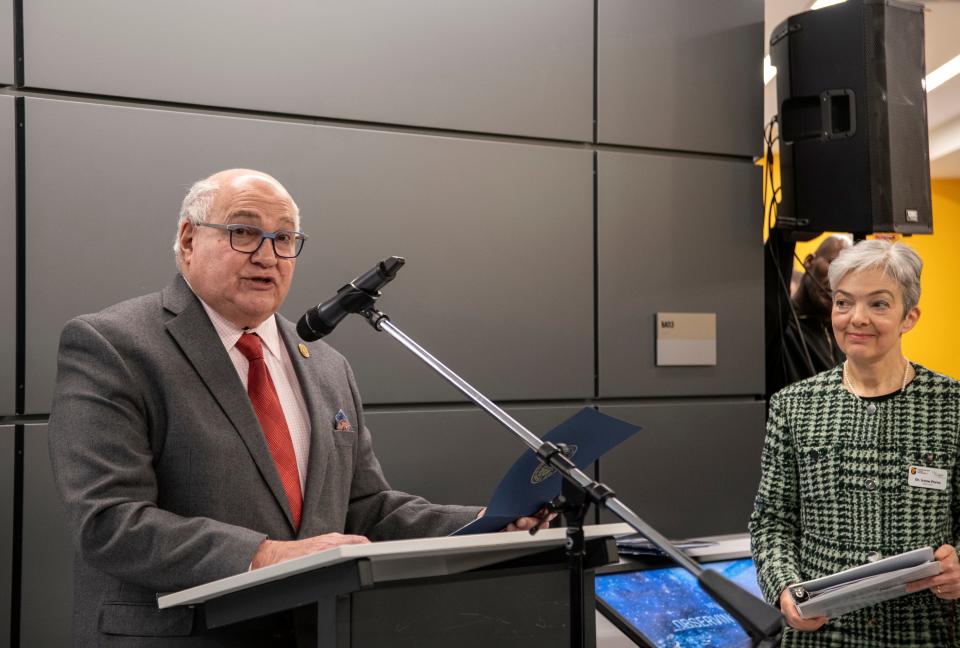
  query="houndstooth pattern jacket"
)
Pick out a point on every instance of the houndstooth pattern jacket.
point(833, 494)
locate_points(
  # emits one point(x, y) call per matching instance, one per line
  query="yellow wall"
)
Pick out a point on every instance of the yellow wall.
point(934, 342)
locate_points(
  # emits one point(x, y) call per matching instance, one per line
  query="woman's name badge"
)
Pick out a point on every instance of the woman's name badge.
point(923, 477)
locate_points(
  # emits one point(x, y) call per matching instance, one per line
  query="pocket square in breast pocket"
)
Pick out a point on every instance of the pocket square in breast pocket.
point(341, 422)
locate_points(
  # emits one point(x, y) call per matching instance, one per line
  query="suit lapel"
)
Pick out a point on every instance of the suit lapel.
point(314, 388)
point(192, 331)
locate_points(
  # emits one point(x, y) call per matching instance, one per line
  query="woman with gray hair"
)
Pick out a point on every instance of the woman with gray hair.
point(843, 460)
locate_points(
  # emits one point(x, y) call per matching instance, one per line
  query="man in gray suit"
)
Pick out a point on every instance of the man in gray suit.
point(193, 438)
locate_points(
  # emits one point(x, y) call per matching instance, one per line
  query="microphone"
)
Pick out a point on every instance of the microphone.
point(356, 296)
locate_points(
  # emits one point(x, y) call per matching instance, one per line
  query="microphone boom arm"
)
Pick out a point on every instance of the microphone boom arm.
point(761, 621)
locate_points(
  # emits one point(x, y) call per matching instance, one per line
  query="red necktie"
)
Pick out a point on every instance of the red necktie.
point(266, 404)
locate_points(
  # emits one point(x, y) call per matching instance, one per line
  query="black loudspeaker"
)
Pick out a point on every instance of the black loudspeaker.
point(854, 152)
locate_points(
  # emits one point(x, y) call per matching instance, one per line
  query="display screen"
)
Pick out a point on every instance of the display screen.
point(668, 608)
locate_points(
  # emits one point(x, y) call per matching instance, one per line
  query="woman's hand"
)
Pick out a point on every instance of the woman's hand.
point(792, 616)
point(946, 584)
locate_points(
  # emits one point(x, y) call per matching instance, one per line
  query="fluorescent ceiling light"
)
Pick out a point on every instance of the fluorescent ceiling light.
point(820, 4)
point(943, 73)
point(945, 140)
point(768, 70)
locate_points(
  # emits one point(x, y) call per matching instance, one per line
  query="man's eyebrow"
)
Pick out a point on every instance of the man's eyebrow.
point(244, 213)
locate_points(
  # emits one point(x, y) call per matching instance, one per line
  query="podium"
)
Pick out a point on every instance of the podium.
point(502, 589)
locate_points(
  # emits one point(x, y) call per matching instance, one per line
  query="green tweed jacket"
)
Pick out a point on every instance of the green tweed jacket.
point(833, 494)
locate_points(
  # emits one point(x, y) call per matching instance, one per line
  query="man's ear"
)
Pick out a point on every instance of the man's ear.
point(185, 238)
point(808, 262)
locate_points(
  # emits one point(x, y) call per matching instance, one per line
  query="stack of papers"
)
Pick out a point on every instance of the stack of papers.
point(637, 545)
point(859, 587)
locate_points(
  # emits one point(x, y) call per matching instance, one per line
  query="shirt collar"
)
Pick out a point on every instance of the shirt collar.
point(229, 332)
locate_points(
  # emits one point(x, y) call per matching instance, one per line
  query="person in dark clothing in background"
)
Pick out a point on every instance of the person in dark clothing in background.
point(799, 347)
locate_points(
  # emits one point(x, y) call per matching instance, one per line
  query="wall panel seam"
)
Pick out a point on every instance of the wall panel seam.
point(314, 120)
point(18, 42)
point(596, 67)
point(19, 370)
point(596, 279)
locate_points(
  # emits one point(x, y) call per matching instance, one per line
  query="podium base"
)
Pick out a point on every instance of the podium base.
point(502, 608)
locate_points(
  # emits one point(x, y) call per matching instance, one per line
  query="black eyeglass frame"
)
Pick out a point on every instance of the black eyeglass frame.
point(299, 237)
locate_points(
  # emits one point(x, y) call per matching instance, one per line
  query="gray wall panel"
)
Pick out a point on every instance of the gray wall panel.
point(453, 456)
point(47, 584)
point(7, 449)
point(681, 75)
point(678, 234)
point(694, 467)
point(493, 65)
point(6, 45)
point(496, 235)
point(8, 252)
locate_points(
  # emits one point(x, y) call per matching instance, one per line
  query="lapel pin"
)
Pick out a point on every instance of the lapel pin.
point(304, 351)
point(341, 421)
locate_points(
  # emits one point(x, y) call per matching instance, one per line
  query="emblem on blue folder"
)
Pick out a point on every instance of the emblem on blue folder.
point(341, 422)
point(543, 472)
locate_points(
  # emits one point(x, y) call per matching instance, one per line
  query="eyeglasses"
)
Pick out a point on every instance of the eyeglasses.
point(287, 244)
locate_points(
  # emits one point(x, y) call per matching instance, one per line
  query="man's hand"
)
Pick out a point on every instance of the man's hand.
point(541, 519)
point(946, 584)
point(792, 616)
point(274, 551)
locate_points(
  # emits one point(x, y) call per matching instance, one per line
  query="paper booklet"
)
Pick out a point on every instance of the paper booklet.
point(528, 485)
point(865, 585)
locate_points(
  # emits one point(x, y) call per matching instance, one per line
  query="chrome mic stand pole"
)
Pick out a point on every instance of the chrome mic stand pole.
point(761, 621)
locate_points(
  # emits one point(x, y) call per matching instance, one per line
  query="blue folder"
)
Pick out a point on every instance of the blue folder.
point(528, 485)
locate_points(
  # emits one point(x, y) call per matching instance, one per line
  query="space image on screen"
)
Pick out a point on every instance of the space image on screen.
point(668, 609)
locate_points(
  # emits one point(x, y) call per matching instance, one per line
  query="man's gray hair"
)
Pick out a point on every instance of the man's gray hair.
point(195, 208)
point(896, 260)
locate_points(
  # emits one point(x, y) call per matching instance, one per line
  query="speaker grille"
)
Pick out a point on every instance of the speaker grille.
point(907, 101)
point(854, 150)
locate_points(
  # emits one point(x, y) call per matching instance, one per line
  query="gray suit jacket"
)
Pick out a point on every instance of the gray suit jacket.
point(167, 479)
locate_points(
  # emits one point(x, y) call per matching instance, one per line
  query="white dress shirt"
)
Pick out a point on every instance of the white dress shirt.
point(281, 371)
